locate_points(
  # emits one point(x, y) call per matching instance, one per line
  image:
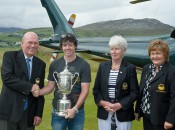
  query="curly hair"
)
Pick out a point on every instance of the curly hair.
point(159, 45)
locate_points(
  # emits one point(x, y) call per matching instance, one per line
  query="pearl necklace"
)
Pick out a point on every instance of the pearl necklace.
point(115, 67)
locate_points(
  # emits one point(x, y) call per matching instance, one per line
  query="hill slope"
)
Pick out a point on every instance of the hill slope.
point(9, 30)
point(125, 27)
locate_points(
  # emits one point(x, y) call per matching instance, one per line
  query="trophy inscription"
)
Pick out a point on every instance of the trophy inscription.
point(65, 85)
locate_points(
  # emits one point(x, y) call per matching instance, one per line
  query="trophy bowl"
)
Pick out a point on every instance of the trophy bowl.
point(65, 85)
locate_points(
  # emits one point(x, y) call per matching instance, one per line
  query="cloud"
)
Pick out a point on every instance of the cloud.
point(31, 14)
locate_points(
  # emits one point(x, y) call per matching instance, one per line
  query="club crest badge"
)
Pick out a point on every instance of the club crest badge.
point(125, 86)
point(161, 88)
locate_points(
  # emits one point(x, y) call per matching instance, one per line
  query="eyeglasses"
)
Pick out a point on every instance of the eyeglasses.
point(31, 43)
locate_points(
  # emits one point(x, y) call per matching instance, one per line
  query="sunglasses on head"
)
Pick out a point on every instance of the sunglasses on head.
point(67, 36)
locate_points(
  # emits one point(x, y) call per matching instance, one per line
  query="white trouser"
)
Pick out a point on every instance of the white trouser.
point(106, 124)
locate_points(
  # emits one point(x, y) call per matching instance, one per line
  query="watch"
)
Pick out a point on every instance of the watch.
point(76, 110)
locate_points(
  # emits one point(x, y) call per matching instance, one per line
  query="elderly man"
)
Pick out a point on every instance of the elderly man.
point(19, 109)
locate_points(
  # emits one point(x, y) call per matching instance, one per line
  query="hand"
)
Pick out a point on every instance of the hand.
point(116, 106)
point(137, 116)
point(109, 109)
point(106, 105)
point(37, 120)
point(35, 90)
point(168, 125)
point(70, 113)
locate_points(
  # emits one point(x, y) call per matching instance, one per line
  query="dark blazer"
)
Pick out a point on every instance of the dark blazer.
point(16, 87)
point(125, 94)
point(162, 94)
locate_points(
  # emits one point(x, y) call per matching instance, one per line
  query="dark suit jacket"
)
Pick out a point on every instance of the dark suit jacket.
point(125, 94)
point(16, 87)
point(162, 94)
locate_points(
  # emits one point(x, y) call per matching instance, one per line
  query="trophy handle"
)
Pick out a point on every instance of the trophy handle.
point(55, 78)
point(76, 79)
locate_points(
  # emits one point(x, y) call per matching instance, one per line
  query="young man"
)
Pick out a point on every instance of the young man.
point(19, 109)
point(74, 119)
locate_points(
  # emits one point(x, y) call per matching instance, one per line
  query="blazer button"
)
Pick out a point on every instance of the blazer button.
point(23, 100)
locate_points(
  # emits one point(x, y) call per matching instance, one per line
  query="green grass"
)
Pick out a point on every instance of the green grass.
point(90, 107)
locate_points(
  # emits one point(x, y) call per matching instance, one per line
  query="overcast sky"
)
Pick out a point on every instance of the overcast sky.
point(31, 14)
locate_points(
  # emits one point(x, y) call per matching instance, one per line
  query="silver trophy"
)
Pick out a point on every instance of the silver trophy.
point(65, 85)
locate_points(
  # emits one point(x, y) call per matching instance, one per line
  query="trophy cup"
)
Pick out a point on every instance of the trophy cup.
point(65, 85)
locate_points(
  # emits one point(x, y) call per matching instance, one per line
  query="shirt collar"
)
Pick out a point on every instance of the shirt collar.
point(152, 68)
point(28, 57)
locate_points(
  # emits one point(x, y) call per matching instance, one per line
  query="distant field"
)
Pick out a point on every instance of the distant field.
point(90, 107)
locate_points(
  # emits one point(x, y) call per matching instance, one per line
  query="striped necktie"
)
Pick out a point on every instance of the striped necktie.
point(28, 60)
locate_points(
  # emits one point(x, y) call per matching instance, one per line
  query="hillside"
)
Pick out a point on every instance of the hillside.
point(125, 27)
point(9, 30)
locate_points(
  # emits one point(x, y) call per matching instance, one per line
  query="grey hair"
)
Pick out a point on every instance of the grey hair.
point(118, 40)
point(32, 34)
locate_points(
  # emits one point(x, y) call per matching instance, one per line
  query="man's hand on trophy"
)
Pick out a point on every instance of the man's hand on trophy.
point(35, 90)
point(70, 113)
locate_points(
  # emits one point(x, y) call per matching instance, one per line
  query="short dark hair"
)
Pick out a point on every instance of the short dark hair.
point(68, 37)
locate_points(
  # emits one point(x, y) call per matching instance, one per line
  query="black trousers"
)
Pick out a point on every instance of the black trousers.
point(21, 125)
point(147, 125)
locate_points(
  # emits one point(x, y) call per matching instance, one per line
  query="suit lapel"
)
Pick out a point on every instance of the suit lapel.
point(122, 72)
point(147, 71)
point(22, 62)
point(34, 68)
point(145, 74)
point(157, 76)
point(106, 76)
point(160, 73)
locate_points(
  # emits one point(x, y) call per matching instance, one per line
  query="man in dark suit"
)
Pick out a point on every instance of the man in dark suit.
point(19, 109)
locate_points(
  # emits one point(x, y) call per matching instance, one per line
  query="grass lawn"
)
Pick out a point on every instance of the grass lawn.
point(90, 107)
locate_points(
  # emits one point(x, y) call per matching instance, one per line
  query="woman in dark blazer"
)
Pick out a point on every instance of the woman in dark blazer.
point(157, 90)
point(116, 89)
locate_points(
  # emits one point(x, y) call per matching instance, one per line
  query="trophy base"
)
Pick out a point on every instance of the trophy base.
point(61, 114)
point(62, 105)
